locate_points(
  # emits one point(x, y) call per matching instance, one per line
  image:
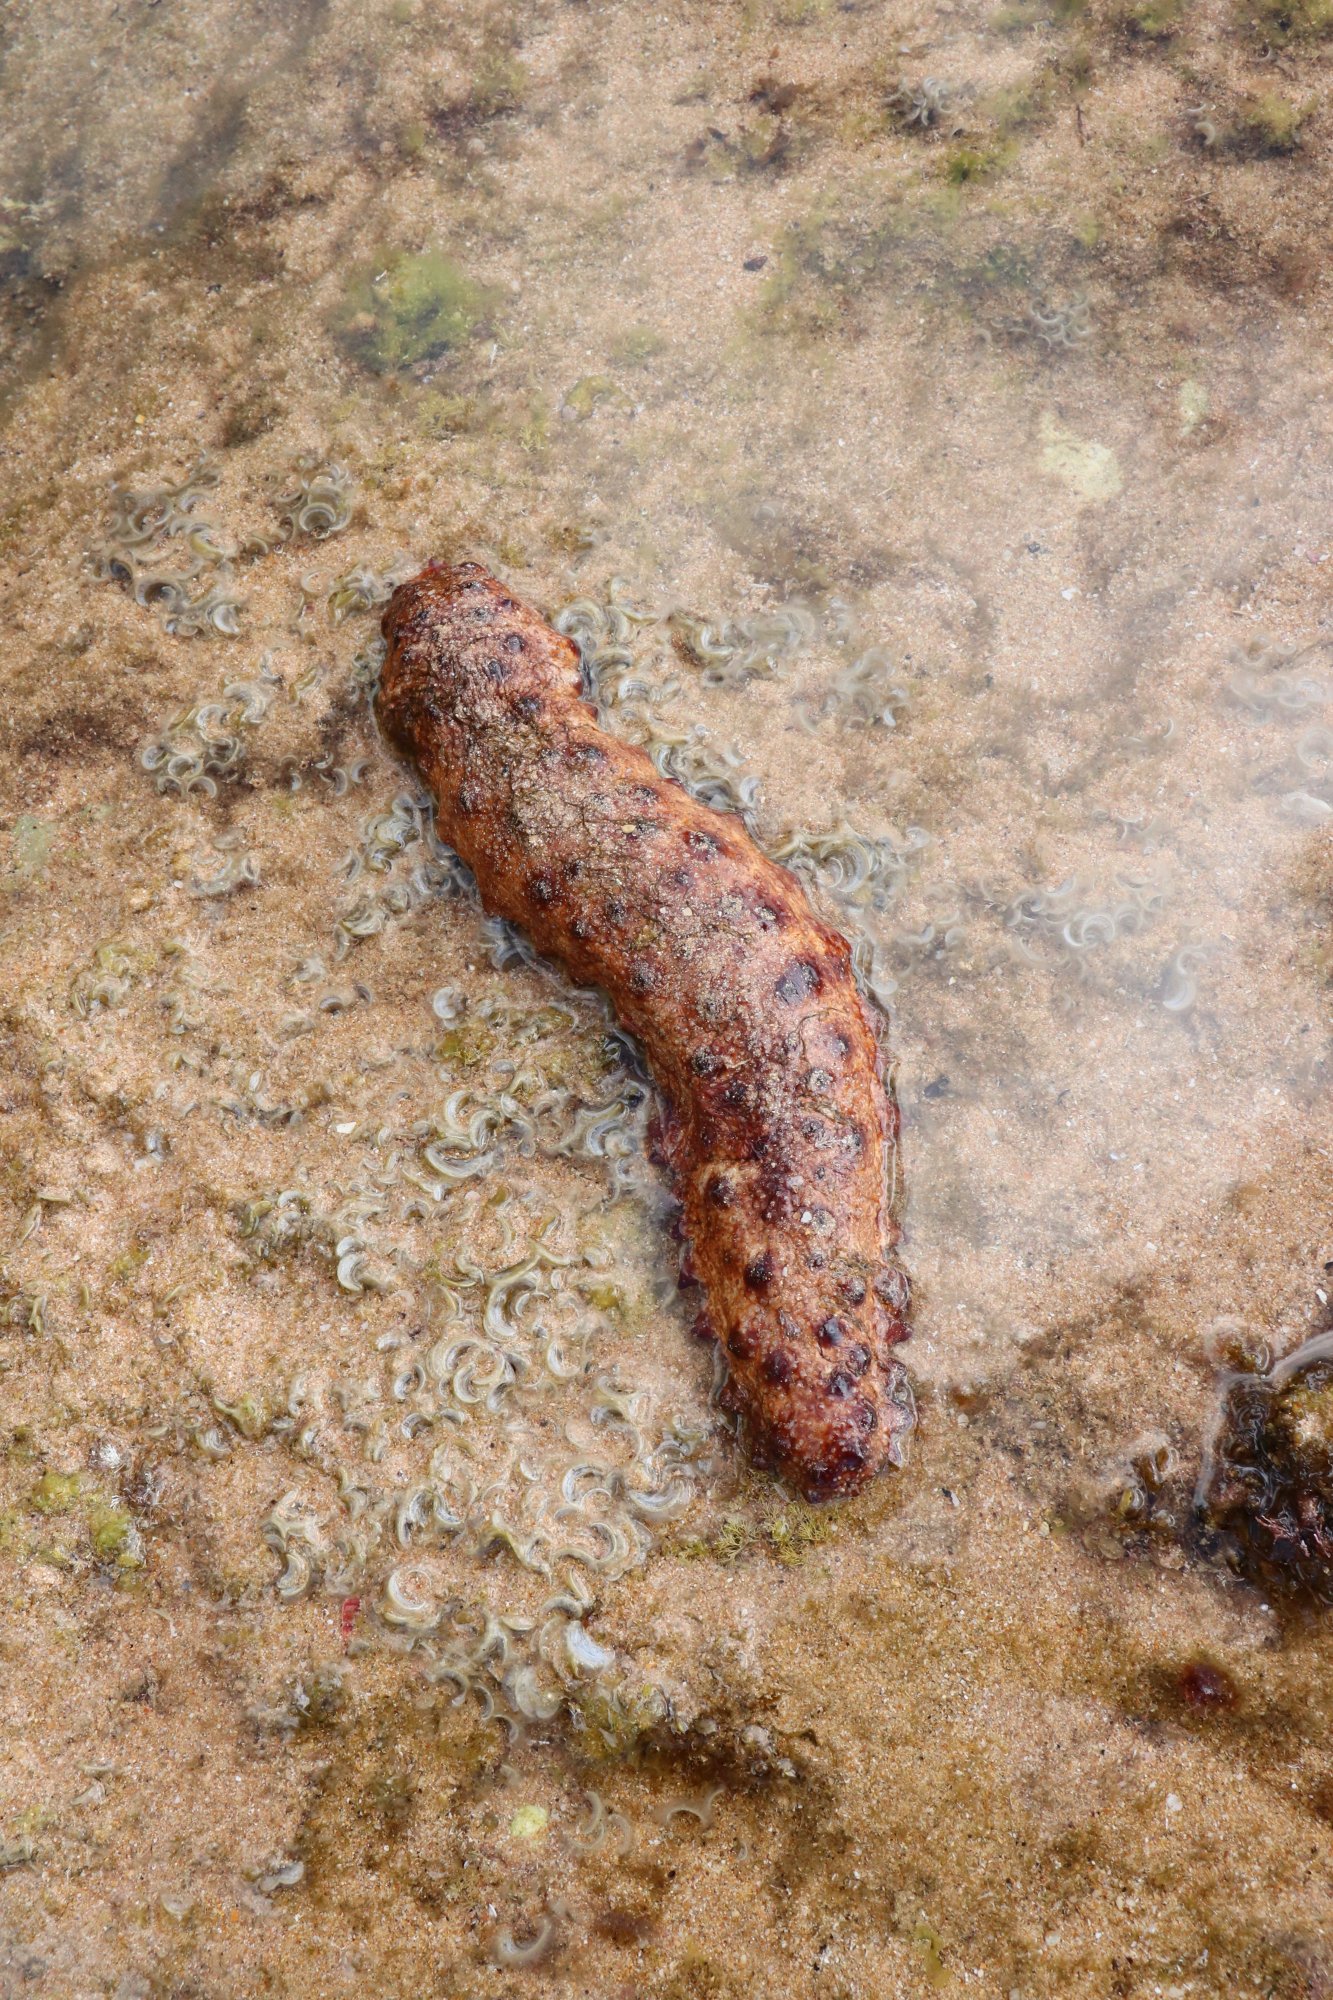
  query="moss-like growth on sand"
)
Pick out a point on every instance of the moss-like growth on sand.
point(55, 1493)
point(113, 1536)
point(1153, 20)
point(410, 309)
point(637, 345)
point(499, 84)
point(788, 1536)
point(447, 416)
point(1270, 124)
point(970, 163)
point(594, 392)
point(1277, 22)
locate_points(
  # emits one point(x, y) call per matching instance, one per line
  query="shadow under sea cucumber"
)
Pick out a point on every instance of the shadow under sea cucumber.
point(779, 1124)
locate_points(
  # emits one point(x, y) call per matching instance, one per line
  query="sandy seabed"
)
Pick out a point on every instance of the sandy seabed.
point(921, 418)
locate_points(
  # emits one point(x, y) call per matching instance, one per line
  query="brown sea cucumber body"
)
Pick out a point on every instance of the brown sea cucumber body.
point(779, 1123)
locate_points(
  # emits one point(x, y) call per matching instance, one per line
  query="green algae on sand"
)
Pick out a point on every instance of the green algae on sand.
point(408, 309)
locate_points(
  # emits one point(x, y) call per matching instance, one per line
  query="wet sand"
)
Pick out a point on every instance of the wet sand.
point(922, 421)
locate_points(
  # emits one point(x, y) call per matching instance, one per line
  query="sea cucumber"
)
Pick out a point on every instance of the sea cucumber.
point(778, 1127)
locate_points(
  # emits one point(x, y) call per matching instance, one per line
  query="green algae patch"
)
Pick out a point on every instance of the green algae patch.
point(794, 1532)
point(499, 84)
point(971, 163)
point(1154, 20)
point(609, 1725)
point(594, 392)
point(926, 1939)
point(441, 416)
point(56, 1493)
point(412, 309)
point(465, 1048)
point(605, 1297)
point(113, 1537)
point(1270, 123)
point(1089, 469)
point(31, 843)
point(638, 345)
point(788, 1536)
point(529, 1823)
point(1277, 23)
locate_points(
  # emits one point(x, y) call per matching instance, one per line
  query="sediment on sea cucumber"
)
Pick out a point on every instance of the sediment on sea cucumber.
point(778, 1125)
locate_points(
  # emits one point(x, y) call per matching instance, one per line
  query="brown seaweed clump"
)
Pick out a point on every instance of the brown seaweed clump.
point(1266, 1488)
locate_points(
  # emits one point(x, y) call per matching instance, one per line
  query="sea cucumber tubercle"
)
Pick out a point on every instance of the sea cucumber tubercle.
point(778, 1124)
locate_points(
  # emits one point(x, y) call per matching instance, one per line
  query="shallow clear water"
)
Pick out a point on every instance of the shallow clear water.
point(921, 420)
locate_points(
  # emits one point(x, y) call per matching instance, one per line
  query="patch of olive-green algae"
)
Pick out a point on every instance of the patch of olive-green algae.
point(1000, 336)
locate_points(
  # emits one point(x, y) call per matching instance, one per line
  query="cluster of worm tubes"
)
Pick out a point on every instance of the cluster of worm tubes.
point(778, 1127)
